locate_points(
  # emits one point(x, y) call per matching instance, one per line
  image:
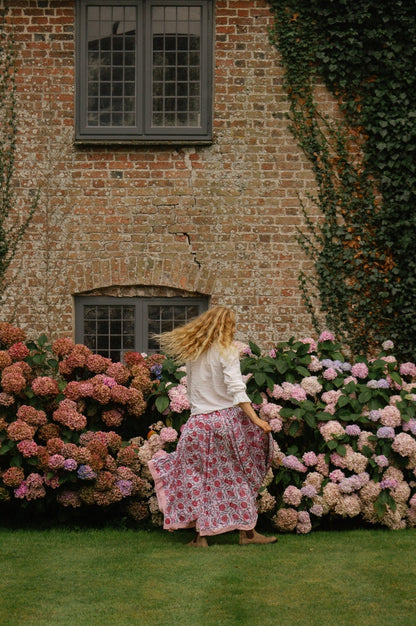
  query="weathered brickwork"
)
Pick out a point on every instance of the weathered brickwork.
point(218, 220)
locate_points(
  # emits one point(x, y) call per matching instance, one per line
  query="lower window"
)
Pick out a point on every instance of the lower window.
point(111, 326)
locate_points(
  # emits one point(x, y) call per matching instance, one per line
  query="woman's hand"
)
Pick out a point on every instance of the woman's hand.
point(250, 412)
point(265, 426)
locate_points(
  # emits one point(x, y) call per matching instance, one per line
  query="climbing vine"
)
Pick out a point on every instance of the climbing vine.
point(12, 225)
point(364, 162)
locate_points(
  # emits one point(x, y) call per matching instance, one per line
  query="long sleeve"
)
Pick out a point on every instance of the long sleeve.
point(233, 380)
point(215, 382)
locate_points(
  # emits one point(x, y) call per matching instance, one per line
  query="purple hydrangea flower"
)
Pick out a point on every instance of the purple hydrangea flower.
point(85, 472)
point(316, 510)
point(293, 463)
point(381, 460)
point(70, 465)
point(374, 415)
point(125, 486)
point(156, 370)
point(353, 430)
point(386, 432)
point(308, 491)
point(383, 383)
point(388, 483)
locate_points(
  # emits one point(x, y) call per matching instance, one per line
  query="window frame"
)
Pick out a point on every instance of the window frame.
point(143, 132)
point(141, 304)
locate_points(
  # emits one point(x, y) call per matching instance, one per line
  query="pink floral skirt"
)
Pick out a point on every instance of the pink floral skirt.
point(212, 480)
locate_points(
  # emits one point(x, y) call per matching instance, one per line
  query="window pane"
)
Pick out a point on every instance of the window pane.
point(108, 329)
point(175, 31)
point(112, 30)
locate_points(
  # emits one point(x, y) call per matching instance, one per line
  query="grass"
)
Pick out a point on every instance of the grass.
point(125, 577)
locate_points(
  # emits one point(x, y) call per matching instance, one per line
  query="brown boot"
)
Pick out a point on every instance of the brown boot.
point(252, 536)
point(198, 542)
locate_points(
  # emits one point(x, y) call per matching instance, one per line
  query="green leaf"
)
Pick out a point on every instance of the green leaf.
point(42, 340)
point(260, 378)
point(343, 401)
point(282, 366)
point(254, 348)
point(365, 396)
point(162, 403)
point(310, 420)
point(341, 450)
point(6, 447)
point(367, 451)
point(396, 377)
point(294, 428)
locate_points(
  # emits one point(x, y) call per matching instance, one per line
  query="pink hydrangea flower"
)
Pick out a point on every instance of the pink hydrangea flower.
point(315, 365)
point(331, 429)
point(313, 346)
point(326, 336)
point(408, 369)
point(12, 379)
point(390, 416)
point(304, 525)
point(331, 397)
point(330, 374)
point(404, 444)
point(359, 370)
point(336, 476)
point(18, 351)
point(276, 424)
point(311, 385)
point(19, 430)
point(13, 476)
point(178, 398)
point(168, 435)
point(317, 510)
point(269, 410)
point(293, 463)
point(32, 416)
point(310, 459)
point(45, 386)
point(27, 448)
point(62, 347)
point(292, 496)
point(353, 430)
point(56, 461)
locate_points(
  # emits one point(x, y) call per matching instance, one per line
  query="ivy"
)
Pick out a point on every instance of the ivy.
point(364, 163)
point(12, 226)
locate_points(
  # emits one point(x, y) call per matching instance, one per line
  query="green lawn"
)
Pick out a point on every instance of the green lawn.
point(110, 576)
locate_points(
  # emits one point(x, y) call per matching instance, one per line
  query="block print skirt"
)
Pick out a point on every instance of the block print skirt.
point(212, 480)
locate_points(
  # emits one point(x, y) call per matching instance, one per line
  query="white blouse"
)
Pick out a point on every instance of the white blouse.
point(215, 382)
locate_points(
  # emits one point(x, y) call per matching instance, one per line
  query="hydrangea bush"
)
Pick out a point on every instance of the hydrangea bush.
point(77, 430)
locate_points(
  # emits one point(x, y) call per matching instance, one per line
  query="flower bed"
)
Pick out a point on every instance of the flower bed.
point(77, 430)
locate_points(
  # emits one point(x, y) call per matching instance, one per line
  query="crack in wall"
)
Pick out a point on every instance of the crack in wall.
point(189, 242)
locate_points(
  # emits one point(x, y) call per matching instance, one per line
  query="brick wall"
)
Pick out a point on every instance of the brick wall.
point(218, 220)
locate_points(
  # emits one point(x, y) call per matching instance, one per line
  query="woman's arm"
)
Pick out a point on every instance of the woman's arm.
point(252, 415)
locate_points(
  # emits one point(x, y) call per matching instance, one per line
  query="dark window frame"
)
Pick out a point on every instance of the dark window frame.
point(141, 304)
point(143, 132)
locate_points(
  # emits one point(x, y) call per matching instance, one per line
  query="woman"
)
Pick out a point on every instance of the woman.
point(212, 480)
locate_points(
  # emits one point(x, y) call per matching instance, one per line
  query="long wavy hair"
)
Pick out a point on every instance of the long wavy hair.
point(188, 342)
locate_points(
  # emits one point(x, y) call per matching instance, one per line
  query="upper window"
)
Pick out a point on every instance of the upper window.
point(144, 70)
point(112, 326)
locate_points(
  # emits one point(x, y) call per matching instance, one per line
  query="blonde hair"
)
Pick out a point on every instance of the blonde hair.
point(188, 342)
